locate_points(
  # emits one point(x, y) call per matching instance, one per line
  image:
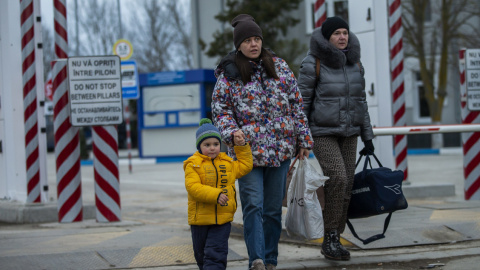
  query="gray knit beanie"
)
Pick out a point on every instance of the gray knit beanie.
point(331, 24)
point(244, 27)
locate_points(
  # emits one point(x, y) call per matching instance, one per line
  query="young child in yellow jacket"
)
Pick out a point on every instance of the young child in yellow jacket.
point(210, 182)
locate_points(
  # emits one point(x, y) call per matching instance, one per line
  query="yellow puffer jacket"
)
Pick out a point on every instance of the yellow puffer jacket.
point(205, 179)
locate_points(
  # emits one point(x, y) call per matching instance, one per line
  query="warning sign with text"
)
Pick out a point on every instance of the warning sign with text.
point(472, 78)
point(95, 90)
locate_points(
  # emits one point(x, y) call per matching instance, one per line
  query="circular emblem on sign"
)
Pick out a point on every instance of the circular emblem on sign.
point(123, 48)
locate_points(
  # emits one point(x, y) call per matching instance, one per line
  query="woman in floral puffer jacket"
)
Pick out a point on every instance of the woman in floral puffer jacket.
point(256, 97)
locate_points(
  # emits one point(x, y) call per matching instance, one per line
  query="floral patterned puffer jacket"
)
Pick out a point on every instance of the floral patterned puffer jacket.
point(269, 111)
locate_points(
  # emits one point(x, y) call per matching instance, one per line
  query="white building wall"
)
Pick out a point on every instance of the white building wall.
point(12, 134)
point(204, 25)
point(372, 33)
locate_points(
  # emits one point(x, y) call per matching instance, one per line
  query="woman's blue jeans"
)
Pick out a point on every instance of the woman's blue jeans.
point(261, 194)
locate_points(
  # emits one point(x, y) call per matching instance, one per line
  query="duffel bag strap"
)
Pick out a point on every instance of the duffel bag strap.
point(368, 161)
point(378, 161)
point(374, 237)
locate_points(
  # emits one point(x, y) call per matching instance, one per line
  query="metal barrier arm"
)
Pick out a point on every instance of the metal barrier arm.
point(381, 131)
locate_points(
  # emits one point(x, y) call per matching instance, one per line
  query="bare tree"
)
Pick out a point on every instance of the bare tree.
point(152, 36)
point(159, 33)
point(434, 45)
point(98, 27)
point(181, 23)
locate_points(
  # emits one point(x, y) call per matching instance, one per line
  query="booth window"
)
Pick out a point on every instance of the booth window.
point(340, 9)
point(208, 99)
point(423, 109)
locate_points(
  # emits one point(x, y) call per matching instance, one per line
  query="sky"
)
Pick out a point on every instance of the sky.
point(46, 10)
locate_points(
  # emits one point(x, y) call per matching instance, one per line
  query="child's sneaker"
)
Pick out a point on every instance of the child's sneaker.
point(258, 265)
point(271, 267)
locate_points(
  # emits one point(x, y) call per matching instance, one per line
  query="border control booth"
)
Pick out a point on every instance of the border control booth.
point(169, 109)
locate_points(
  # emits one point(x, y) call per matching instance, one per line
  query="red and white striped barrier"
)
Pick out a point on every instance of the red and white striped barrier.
point(471, 140)
point(405, 130)
point(30, 101)
point(397, 82)
point(107, 183)
point(67, 145)
point(320, 12)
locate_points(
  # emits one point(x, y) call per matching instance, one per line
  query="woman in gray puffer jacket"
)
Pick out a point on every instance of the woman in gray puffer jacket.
point(336, 106)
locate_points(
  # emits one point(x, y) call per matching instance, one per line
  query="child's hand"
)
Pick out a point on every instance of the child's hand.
point(239, 138)
point(239, 141)
point(222, 199)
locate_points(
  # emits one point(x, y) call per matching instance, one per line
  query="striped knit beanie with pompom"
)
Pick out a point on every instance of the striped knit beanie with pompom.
point(205, 131)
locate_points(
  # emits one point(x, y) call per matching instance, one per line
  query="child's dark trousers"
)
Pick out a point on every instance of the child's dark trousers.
point(210, 244)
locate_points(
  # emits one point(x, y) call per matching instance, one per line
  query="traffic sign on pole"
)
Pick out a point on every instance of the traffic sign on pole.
point(123, 48)
point(129, 80)
point(95, 90)
point(472, 76)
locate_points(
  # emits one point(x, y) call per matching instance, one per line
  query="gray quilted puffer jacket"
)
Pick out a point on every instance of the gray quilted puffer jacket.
point(335, 104)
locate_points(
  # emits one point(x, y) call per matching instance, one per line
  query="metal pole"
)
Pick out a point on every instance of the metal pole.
point(120, 19)
point(197, 20)
point(77, 42)
point(126, 108)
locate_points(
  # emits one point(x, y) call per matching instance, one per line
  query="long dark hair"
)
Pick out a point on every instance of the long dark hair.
point(245, 68)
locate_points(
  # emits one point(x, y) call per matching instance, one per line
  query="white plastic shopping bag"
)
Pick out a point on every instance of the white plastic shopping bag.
point(304, 214)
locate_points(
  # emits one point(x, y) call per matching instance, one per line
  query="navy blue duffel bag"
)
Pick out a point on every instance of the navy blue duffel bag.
point(375, 191)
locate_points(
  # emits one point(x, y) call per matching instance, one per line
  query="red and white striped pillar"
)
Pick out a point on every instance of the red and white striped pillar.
point(30, 101)
point(107, 183)
point(129, 139)
point(67, 149)
point(470, 140)
point(67, 144)
point(397, 82)
point(320, 12)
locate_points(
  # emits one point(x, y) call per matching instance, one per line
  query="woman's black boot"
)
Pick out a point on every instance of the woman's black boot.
point(330, 246)
point(345, 254)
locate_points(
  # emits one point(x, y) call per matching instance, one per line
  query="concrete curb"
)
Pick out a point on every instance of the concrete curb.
point(90, 223)
point(18, 213)
point(427, 191)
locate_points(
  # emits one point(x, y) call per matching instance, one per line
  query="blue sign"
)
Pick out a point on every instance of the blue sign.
point(167, 77)
point(129, 80)
point(177, 77)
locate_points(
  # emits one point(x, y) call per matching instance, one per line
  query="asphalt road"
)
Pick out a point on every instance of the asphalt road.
point(154, 233)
